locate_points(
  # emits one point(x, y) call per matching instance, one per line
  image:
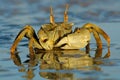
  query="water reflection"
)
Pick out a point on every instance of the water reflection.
point(60, 64)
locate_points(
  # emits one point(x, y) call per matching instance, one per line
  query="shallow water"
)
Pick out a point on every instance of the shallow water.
point(60, 65)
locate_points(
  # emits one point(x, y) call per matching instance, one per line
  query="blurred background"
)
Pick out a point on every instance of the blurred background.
point(37, 11)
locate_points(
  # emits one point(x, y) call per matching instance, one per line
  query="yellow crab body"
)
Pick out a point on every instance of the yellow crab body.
point(60, 34)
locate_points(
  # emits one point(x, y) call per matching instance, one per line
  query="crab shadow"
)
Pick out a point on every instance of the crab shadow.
point(60, 64)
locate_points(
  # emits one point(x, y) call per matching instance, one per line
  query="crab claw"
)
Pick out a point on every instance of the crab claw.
point(47, 45)
point(75, 40)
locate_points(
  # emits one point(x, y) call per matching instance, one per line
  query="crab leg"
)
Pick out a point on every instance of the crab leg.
point(28, 32)
point(98, 39)
point(98, 53)
point(92, 28)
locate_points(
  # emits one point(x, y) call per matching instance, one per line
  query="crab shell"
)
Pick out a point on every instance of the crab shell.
point(50, 34)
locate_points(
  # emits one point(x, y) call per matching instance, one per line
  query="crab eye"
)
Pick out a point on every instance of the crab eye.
point(45, 40)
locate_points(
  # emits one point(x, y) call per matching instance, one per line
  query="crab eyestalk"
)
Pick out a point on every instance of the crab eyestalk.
point(51, 16)
point(66, 14)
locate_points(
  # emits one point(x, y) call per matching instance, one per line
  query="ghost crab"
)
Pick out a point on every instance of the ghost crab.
point(60, 34)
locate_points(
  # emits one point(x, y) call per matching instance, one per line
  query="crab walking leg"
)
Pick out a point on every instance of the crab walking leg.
point(107, 54)
point(98, 53)
point(98, 39)
point(28, 32)
point(31, 47)
point(92, 27)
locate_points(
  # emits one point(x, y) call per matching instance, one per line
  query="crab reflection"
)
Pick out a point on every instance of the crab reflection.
point(59, 64)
